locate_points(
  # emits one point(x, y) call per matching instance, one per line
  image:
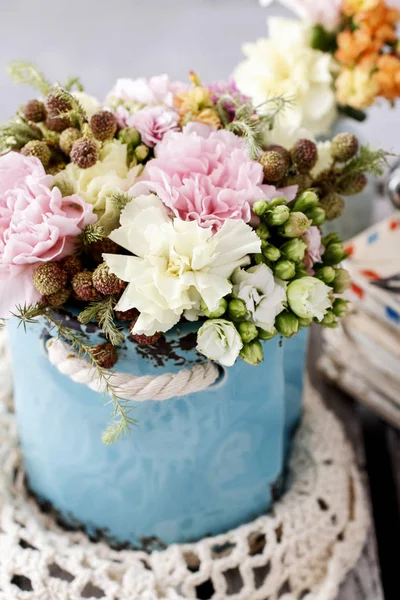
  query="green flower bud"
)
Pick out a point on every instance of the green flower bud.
point(141, 152)
point(334, 254)
point(277, 216)
point(306, 201)
point(237, 309)
point(296, 225)
point(260, 259)
point(247, 331)
point(326, 274)
point(260, 207)
point(284, 269)
point(287, 324)
point(262, 231)
point(317, 215)
point(215, 314)
point(277, 202)
point(301, 271)
point(340, 307)
point(305, 322)
point(271, 252)
point(331, 238)
point(252, 353)
point(342, 281)
point(294, 249)
point(266, 335)
point(329, 320)
point(130, 136)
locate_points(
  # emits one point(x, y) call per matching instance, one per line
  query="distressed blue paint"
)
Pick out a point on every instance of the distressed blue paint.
point(196, 465)
point(373, 237)
point(392, 314)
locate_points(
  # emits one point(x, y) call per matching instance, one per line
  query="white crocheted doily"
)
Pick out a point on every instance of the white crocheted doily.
point(301, 550)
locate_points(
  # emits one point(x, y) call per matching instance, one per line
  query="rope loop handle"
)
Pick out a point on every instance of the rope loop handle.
point(127, 386)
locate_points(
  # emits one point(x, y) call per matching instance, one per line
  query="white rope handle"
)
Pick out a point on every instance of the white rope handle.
point(129, 387)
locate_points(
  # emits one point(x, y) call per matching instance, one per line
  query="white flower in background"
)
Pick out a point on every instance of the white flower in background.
point(309, 298)
point(90, 104)
point(178, 264)
point(263, 294)
point(315, 12)
point(219, 340)
point(286, 65)
point(97, 184)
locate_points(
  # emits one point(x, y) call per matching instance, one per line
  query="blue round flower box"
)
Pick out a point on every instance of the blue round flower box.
point(194, 466)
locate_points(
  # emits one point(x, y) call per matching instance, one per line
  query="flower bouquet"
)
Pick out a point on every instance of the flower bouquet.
point(166, 242)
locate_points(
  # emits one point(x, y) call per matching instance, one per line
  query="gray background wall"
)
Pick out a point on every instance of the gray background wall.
point(101, 40)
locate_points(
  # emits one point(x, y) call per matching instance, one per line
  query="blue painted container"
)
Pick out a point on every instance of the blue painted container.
point(196, 465)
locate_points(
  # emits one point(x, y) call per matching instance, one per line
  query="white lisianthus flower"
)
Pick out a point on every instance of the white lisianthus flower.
point(309, 298)
point(178, 264)
point(219, 340)
point(90, 104)
point(97, 184)
point(263, 294)
point(286, 65)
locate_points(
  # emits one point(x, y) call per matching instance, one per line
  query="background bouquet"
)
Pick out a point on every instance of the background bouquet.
point(170, 202)
point(342, 56)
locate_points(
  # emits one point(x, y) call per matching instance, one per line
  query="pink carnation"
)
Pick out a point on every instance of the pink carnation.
point(315, 249)
point(153, 122)
point(36, 225)
point(206, 175)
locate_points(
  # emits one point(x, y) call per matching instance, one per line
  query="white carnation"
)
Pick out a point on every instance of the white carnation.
point(309, 298)
point(315, 12)
point(286, 65)
point(263, 294)
point(178, 264)
point(219, 340)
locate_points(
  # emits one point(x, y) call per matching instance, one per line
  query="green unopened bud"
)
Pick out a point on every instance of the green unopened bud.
point(287, 324)
point(284, 269)
point(262, 231)
point(306, 201)
point(141, 152)
point(342, 281)
point(130, 136)
point(260, 259)
point(252, 353)
point(237, 309)
point(218, 312)
point(340, 307)
point(329, 320)
point(296, 225)
point(260, 207)
point(326, 274)
point(301, 271)
point(305, 322)
point(248, 332)
point(271, 253)
point(277, 216)
point(294, 249)
point(317, 215)
point(334, 254)
point(331, 238)
point(277, 202)
point(266, 335)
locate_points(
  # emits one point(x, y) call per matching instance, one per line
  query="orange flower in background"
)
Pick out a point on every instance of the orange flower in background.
point(356, 87)
point(354, 7)
point(354, 45)
point(387, 77)
point(380, 22)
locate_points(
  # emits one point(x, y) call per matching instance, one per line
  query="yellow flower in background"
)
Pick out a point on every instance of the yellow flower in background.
point(195, 104)
point(97, 184)
point(353, 7)
point(357, 88)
